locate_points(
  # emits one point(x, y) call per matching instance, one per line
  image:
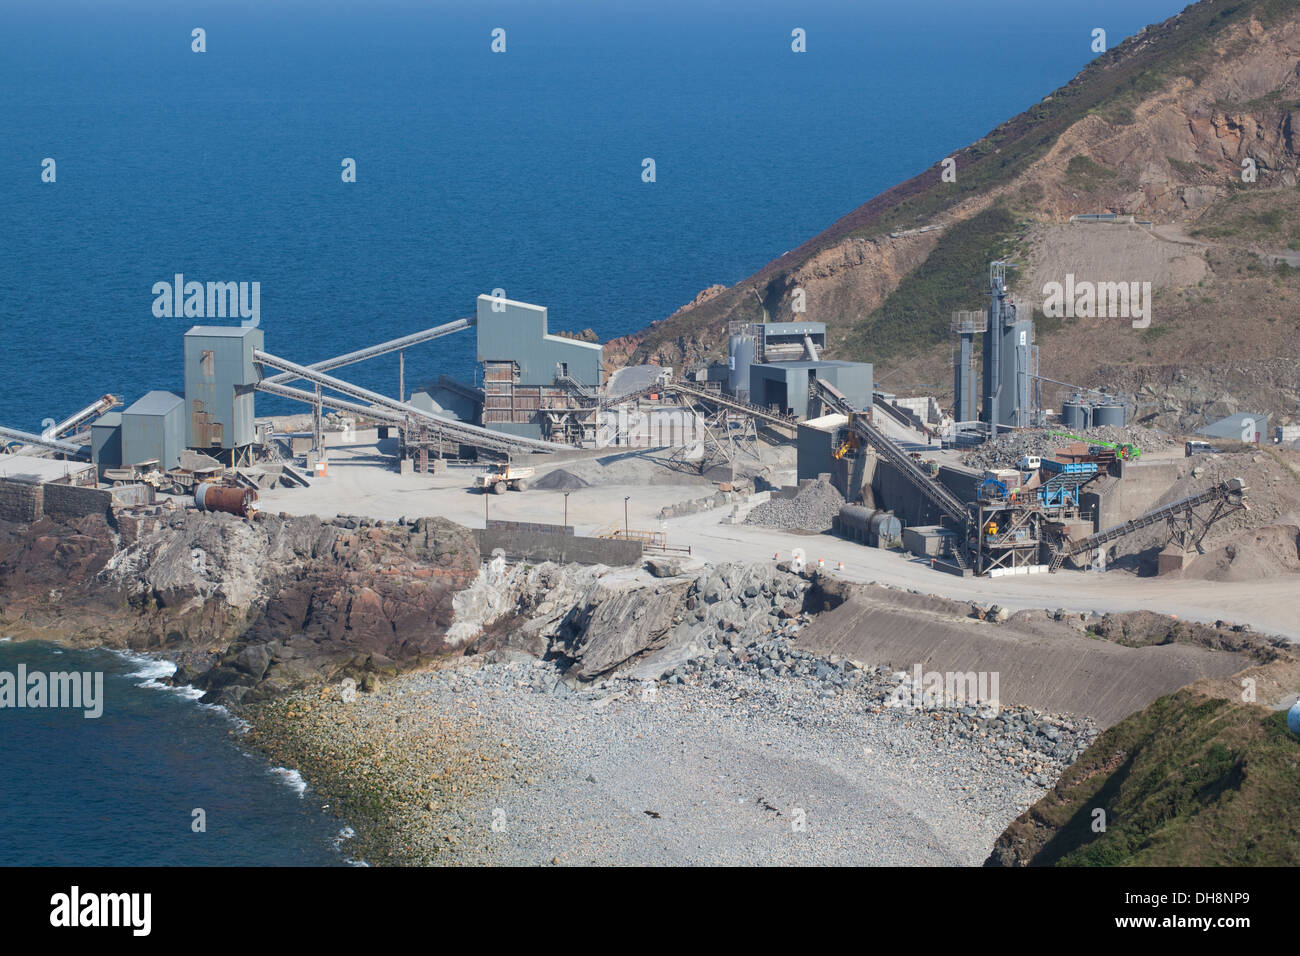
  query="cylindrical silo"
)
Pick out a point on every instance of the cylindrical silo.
point(235, 501)
point(1070, 414)
point(1108, 415)
point(740, 358)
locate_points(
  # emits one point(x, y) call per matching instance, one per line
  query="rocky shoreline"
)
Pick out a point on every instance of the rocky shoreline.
point(502, 759)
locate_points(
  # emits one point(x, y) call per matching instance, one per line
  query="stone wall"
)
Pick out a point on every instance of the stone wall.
point(21, 501)
point(69, 501)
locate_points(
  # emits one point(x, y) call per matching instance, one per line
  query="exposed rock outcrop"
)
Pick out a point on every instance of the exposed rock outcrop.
point(266, 604)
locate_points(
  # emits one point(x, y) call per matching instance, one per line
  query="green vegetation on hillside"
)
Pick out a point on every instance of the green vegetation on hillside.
point(1270, 219)
point(1190, 781)
point(917, 314)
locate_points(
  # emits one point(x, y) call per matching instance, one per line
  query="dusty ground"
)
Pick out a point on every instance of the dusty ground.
point(363, 482)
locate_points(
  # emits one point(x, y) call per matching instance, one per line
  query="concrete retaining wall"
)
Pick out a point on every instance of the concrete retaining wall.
point(537, 547)
point(1141, 489)
point(529, 526)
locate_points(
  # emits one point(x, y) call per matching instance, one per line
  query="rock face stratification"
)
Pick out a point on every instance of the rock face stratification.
point(244, 607)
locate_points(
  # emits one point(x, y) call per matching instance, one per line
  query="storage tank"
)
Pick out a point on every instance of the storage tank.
point(740, 356)
point(1076, 414)
point(1108, 415)
point(855, 521)
point(869, 525)
point(885, 529)
point(235, 501)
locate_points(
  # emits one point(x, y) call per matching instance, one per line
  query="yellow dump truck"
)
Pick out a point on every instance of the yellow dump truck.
point(501, 477)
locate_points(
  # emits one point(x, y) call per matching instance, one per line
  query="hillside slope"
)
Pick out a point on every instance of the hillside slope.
point(1198, 778)
point(1157, 128)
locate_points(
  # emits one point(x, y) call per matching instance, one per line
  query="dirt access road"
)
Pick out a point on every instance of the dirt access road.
point(1267, 604)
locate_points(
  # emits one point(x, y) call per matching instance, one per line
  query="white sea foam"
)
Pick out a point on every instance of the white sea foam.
point(150, 667)
point(292, 779)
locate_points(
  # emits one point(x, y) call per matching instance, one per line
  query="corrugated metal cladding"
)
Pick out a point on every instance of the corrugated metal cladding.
point(106, 441)
point(1243, 426)
point(153, 429)
point(517, 332)
point(219, 379)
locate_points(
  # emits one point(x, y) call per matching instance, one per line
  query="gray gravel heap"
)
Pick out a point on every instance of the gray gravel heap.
point(812, 509)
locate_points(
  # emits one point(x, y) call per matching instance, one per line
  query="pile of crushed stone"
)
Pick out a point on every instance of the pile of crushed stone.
point(812, 508)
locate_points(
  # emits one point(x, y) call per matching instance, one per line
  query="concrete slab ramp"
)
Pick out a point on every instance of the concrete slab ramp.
point(1048, 668)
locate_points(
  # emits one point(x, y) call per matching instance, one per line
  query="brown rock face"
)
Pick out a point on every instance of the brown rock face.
point(263, 605)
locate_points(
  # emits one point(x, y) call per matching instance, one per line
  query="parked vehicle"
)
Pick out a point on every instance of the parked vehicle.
point(500, 477)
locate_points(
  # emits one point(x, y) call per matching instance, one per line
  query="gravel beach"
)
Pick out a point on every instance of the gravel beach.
point(764, 755)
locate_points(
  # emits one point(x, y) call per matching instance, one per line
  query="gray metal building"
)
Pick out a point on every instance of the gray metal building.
point(153, 429)
point(759, 343)
point(219, 379)
point(1243, 426)
point(816, 443)
point(785, 384)
point(517, 332)
point(106, 442)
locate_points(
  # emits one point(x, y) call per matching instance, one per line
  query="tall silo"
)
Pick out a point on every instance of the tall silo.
point(740, 356)
point(1008, 357)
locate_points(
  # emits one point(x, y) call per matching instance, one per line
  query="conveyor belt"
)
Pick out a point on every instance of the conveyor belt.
point(895, 454)
point(450, 428)
point(724, 401)
point(1231, 491)
point(90, 411)
point(383, 348)
point(13, 434)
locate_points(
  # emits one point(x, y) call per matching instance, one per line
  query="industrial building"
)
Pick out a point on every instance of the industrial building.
point(1243, 426)
point(786, 385)
point(757, 343)
point(220, 377)
point(106, 442)
point(152, 429)
point(536, 384)
point(1010, 357)
point(1009, 373)
point(774, 365)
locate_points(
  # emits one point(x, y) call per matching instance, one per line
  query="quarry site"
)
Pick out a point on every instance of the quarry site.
point(755, 610)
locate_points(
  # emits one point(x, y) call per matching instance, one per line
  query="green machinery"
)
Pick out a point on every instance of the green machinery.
point(1124, 451)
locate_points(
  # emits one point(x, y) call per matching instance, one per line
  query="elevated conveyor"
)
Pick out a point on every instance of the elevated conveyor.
point(733, 404)
point(1228, 495)
point(383, 348)
point(27, 438)
point(93, 410)
point(895, 454)
point(449, 428)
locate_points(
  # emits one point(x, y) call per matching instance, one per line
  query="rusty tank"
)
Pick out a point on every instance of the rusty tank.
point(228, 498)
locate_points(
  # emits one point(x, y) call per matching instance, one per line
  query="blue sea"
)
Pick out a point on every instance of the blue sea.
point(122, 788)
point(475, 170)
